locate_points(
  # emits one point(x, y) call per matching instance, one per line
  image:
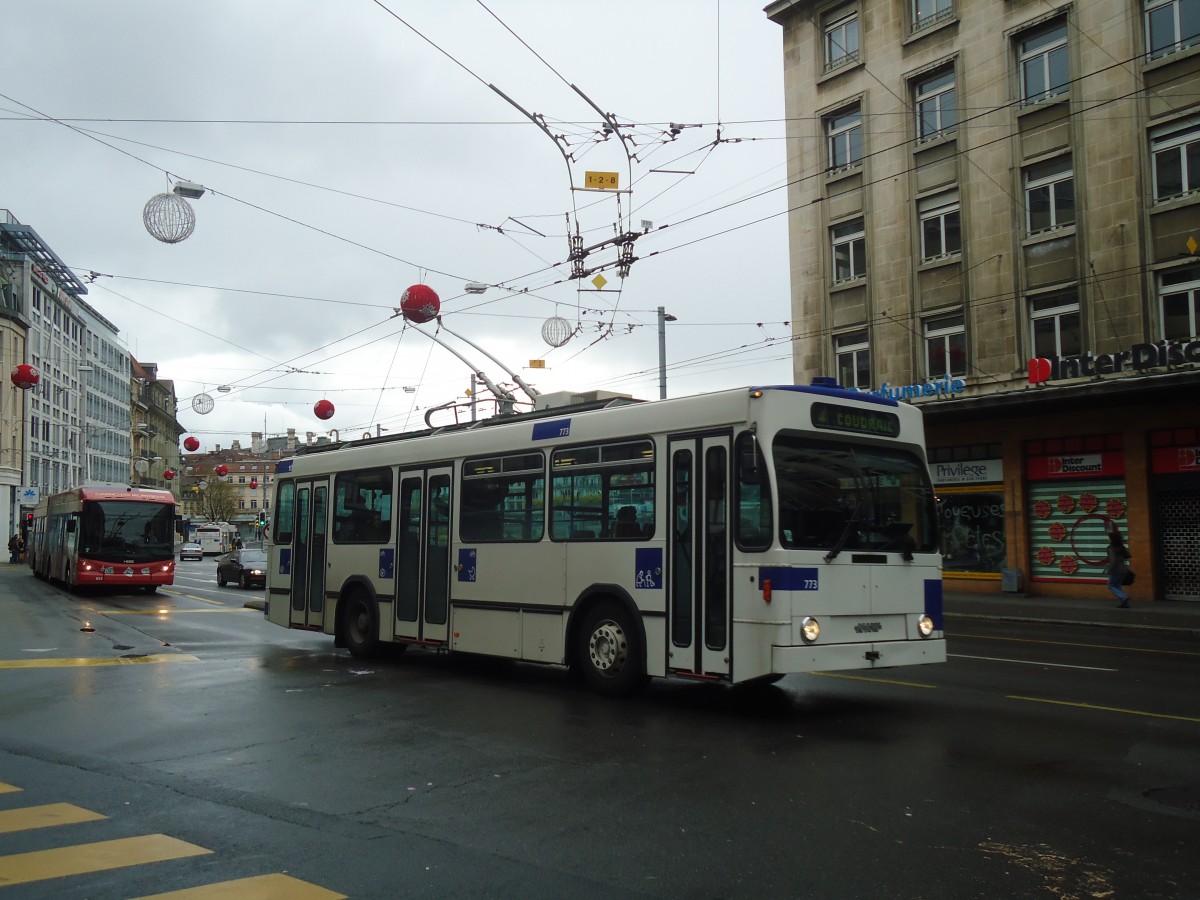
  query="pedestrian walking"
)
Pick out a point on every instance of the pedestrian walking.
point(1116, 567)
point(14, 547)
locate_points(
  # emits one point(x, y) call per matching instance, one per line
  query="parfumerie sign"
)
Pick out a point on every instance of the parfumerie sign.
point(1137, 359)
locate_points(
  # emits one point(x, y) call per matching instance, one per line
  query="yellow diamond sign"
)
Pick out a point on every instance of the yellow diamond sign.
point(1192, 245)
point(600, 281)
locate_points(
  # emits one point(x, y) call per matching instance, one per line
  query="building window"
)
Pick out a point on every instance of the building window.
point(935, 103)
point(1049, 195)
point(841, 39)
point(1043, 60)
point(1054, 324)
point(945, 346)
point(941, 228)
point(1179, 299)
point(843, 137)
point(849, 244)
point(927, 12)
point(1171, 25)
point(853, 359)
point(1176, 152)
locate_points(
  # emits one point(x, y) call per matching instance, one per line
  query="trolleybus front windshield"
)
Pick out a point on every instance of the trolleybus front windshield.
point(126, 531)
point(842, 495)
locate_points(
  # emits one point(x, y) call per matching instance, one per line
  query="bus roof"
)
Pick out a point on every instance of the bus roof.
point(697, 410)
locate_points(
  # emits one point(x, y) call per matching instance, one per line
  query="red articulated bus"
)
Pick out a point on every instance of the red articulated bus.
point(123, 537)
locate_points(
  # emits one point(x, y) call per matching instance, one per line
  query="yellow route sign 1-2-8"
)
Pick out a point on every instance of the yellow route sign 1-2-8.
point(610, 181)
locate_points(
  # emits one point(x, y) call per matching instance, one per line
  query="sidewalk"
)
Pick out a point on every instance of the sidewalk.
point(1179, 616)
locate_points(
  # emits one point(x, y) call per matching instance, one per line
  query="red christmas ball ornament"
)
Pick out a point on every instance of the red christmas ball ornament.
point(420, 303)
point(253, 483)
point(191, 444)
point(169, 474)
point(323, 409)
point(222, 470)
point(26, 376)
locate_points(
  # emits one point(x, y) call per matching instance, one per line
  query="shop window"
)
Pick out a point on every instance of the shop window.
point(1054, 324)
point(853, 352)
point(935, 104)
point(843, 138)
point(945, 346)
point(1171, 26)
point(1179, 302)
point(1175, 152)
point(1049, 196)
point(941, 226)
point(841, 38)
point(1042, 56)
point(848, 242)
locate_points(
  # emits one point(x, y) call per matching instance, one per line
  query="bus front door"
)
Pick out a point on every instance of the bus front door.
point(308, 555)
point(698, 548)
point(423, 556)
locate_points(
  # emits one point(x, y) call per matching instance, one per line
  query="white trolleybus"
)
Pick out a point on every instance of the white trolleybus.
point(733, 536)
point(215, 537)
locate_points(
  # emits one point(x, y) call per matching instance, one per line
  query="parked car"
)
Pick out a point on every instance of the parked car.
point(190, 550)
point(248, 568)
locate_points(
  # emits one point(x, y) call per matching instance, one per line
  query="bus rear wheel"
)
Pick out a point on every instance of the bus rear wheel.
point(359, 618)
point(609, 654)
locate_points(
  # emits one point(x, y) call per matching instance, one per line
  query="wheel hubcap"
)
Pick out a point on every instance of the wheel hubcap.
point(608, 648)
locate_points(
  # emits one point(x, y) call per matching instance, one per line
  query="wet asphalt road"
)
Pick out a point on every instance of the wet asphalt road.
point(1060, 763)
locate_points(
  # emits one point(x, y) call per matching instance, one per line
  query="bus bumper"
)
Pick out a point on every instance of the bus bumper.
point(881, 655)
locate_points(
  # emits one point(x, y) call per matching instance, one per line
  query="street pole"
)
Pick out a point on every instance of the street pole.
point(663, 318)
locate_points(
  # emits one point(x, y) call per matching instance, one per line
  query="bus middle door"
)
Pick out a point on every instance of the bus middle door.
point(423, 556)
point(309, 555)
point(698, 551)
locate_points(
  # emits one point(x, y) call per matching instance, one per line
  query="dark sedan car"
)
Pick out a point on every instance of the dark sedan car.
point(248, 568)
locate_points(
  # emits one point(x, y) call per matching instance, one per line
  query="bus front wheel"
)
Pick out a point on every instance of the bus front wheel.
point(609, 653)
point(359, 618)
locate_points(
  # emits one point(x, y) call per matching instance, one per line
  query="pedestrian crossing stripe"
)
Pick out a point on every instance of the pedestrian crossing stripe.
point(101, 856)
point(8, 788)
point(46, 816)
point(83, 662)
point(261, 887)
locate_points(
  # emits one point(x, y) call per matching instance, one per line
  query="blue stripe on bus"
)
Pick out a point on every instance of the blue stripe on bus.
point(544, 431)
point(840, 392)
point(786, 578)
point(933, 601)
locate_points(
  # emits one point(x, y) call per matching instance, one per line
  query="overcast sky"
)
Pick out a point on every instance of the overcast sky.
point(348, 155)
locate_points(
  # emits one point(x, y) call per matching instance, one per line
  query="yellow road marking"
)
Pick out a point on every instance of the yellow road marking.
point(262, 887)
point(45, 816)
point(988, 637)
point(8, 788)
point(39, 865)
point(83, 662)
point(1115, 709)
point(875, 680)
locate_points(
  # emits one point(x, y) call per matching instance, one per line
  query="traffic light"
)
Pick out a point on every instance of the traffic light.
point(262, 519)
point(28, 520)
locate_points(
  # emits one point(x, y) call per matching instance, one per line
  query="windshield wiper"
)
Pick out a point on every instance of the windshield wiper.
point(840, 544)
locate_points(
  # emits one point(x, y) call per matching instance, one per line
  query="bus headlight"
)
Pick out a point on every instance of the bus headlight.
point(810, 629)
point(925, 626)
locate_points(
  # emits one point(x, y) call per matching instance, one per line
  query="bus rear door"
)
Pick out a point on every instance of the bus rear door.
point(423, 556)
point(698, 548)
point(308, 563)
